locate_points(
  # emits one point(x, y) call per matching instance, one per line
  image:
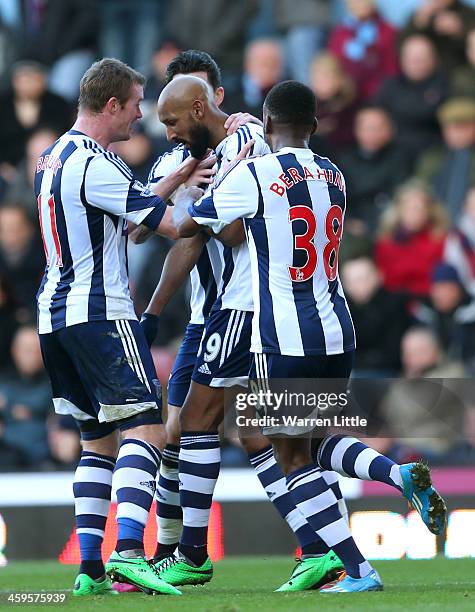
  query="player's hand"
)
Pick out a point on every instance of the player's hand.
point(192, 193)
point(140, 234)
point(149, 324)
point(236, 120)
point(203, 173)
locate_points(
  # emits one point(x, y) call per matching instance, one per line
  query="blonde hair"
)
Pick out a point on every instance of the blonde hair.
point(438, 220)
point(326, 59)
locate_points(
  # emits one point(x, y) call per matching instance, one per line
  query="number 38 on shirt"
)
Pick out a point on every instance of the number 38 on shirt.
point(305, 242)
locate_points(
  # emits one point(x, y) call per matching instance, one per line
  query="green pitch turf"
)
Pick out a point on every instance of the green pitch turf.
point(246, 584)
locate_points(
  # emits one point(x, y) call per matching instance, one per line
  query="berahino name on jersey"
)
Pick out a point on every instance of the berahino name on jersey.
point(293, 205)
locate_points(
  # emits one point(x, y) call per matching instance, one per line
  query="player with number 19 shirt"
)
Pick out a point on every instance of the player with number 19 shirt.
point(293, 205)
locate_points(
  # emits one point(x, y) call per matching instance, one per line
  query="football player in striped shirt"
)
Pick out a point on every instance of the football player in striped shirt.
point(205, 281)
point(223, 361)
point(293, 204)
point(204, 256)
point(93, 347)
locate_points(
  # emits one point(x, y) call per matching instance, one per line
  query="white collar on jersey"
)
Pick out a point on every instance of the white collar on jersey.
point(294, 149)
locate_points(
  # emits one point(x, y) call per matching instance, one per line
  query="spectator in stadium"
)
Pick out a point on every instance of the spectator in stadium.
point(450, 313)
point(446, 23)
point(63, 441)
point(411, 239)
point(66, 41)
point(27, 400)
point(303, 25)
point(413, 97)
point(9, 42)
point(157, 79)
point(21, 256)
point(372, 306)
point(21, 189)
point(366, 46)
point(130, 30)
point(425, 416)
point(26, 106)
point(263, 68)
point(450, 168)
point(11, 457)
point(398, 13)
point(336, 104)
point(216, 26)
point(373, 168)
point(460, 245)
point(463, 78)
point(8, 323)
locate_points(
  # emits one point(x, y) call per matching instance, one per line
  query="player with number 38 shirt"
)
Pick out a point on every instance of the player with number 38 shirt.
point(293, 204)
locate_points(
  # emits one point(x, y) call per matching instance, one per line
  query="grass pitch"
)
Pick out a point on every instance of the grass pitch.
point(247, 584)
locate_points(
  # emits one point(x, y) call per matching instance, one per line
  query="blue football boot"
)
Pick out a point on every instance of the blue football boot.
point(418, 490)
point(347, 584)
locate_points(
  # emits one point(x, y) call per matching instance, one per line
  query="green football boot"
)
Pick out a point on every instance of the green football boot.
point(139, 572)
point(85, 585)
point(177, 570)
point(313, 572)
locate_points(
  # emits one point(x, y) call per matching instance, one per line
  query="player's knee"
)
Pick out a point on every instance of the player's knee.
point(190, 420)
point(107, 445)
point(291, 457)
point(289, 464)
point(173, 425)
point(146, 426)
point(253, 444)
point(203, 409)
point(153, 434)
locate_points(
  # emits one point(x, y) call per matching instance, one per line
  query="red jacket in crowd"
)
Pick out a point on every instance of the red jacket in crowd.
point(379, 61)
point(406, 263)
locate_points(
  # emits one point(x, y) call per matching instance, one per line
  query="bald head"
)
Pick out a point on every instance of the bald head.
point(188, 110)
point(183, 91)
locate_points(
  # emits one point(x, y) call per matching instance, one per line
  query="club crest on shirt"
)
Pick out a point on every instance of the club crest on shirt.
point(142, 189)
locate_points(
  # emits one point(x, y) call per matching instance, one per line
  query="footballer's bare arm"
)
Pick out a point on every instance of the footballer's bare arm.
point(190, 172)
point(179, 262)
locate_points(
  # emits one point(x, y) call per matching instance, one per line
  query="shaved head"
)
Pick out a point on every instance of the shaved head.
point(183, 91)
point(184, 107)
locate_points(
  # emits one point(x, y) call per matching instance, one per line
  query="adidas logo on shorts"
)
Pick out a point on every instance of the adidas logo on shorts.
point(204, 369)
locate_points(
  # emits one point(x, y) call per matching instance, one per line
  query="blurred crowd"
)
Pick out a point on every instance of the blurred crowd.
point(395, 86)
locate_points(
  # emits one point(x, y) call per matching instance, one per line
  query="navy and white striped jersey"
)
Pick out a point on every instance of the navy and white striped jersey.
point(222, 274)
point(293, 203)
point(236, 291)
point(205, 277)
point(85, 196)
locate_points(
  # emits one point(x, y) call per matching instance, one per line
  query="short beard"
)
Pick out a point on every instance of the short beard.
point(199, 141)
